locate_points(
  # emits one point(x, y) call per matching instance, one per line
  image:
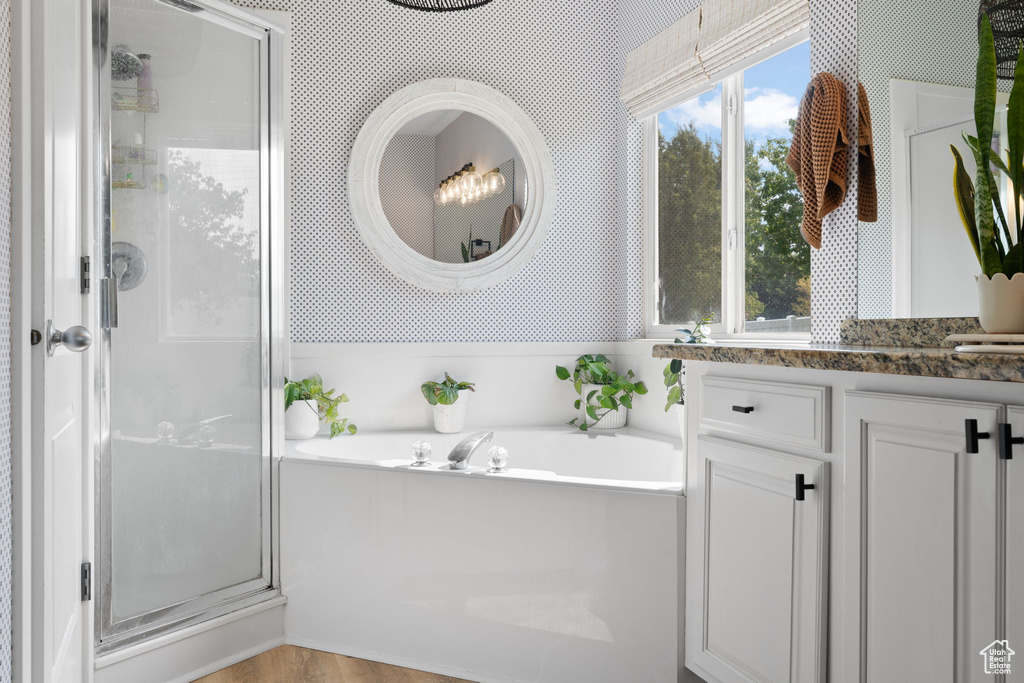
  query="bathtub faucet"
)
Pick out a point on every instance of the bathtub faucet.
point(458, 459)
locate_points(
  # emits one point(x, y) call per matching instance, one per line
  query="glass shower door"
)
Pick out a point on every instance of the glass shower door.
point(184, 466)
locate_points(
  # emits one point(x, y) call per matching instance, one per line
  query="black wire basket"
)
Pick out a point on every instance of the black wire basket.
point(1007, 18)
point(439, 5)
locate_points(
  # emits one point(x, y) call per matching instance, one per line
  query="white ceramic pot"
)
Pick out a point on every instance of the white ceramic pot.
point(1001, 303)
point(610, 419)
point(450, 419)
point(301, 421)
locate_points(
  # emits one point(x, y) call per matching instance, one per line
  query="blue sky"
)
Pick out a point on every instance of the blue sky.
point(773, 90)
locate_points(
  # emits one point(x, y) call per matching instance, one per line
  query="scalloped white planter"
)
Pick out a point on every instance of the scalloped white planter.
point(451, 419)
point(301, 421)
point(613, 419)
point(1001, 303)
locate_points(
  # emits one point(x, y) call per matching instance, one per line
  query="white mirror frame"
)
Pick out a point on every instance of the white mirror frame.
point(364, 184)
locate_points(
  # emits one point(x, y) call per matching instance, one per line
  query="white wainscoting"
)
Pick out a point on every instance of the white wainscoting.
point(515, 382)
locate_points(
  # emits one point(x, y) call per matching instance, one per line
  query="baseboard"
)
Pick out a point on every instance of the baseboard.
point(229, 661)
point(385, 658)
point(199, 650)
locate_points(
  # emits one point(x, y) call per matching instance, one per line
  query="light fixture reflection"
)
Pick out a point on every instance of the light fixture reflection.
point(466, 186)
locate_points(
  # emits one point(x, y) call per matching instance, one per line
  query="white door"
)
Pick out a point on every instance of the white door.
point(756, 568)
point(920, 539)
point(1014, 493)
point(928, 238)
point(59, 414)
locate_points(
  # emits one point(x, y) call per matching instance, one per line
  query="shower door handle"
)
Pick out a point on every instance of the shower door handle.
point(108, 302)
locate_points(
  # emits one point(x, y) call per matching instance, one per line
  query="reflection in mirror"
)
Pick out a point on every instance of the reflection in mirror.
point(452, 186)
point(917, 63)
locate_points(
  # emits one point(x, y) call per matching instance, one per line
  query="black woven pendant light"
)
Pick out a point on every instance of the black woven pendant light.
point(1007, 18)
point(439, 5)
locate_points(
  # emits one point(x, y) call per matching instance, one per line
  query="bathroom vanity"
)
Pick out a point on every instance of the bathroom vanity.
point(855, 513)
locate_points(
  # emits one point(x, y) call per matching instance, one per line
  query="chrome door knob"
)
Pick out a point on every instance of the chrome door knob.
point(75, 338)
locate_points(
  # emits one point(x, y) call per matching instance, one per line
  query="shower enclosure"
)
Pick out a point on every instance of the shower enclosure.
point(189, 212)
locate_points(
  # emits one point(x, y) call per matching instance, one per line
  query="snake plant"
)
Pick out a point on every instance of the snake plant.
point(996, 241)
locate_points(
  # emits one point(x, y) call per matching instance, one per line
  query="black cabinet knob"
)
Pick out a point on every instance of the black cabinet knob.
point(801, 487)
point(1007, 441)
point(973, 435)
point(743, 409)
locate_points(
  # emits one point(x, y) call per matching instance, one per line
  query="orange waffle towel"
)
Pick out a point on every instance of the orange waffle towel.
point(867, 192)
point(818, 156)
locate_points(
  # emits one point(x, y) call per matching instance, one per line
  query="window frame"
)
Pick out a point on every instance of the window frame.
point(733, 206)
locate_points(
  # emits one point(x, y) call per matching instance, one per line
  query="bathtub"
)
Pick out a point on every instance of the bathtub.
point(566, 568)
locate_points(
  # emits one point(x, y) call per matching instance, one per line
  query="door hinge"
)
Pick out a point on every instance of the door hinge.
point(86, 278)
point(86, 581)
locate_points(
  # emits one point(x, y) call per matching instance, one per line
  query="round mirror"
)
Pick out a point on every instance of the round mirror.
point(451, 185)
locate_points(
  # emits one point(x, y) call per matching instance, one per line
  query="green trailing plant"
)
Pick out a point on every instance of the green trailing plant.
point(674, 371)
point(996, 241)
point(446, 392)
point(327, 404)
point(614, 390)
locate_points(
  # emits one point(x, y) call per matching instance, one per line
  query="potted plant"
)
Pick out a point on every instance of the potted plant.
point(996, 240)
point(449, 411)
point(605, 396)
point(675, 372)
point(306, 404)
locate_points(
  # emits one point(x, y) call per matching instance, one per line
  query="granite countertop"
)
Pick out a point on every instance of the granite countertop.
point(928, 360)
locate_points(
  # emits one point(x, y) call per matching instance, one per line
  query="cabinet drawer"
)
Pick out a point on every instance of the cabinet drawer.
point(789, 414)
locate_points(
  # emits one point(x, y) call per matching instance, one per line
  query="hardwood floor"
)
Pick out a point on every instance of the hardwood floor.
point(291, 664)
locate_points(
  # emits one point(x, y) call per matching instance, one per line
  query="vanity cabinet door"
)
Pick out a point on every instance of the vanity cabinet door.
point(756, 567)
point(1014, 496)
point(920, 533)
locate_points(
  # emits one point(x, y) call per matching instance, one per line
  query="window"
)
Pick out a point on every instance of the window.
point(724, 212)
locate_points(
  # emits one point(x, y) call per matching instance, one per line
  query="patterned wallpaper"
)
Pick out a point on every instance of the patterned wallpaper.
point(931, 41)
point(407, 189)
point(834, 267)
point(559, 63)
point(586, 282)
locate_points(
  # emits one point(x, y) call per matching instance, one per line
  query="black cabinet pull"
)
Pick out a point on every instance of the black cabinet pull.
point(973, 435)
point(1007, 441)
point(743, 409)
point(801, 487)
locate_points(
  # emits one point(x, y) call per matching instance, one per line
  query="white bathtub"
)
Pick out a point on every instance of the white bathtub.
point(568, 568)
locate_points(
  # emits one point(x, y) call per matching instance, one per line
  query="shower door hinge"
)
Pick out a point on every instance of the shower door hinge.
point(86, 279)
point(86, 581)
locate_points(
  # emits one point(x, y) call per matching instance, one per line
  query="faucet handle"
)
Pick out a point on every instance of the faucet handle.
point(421, 451)
point(497, 458)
